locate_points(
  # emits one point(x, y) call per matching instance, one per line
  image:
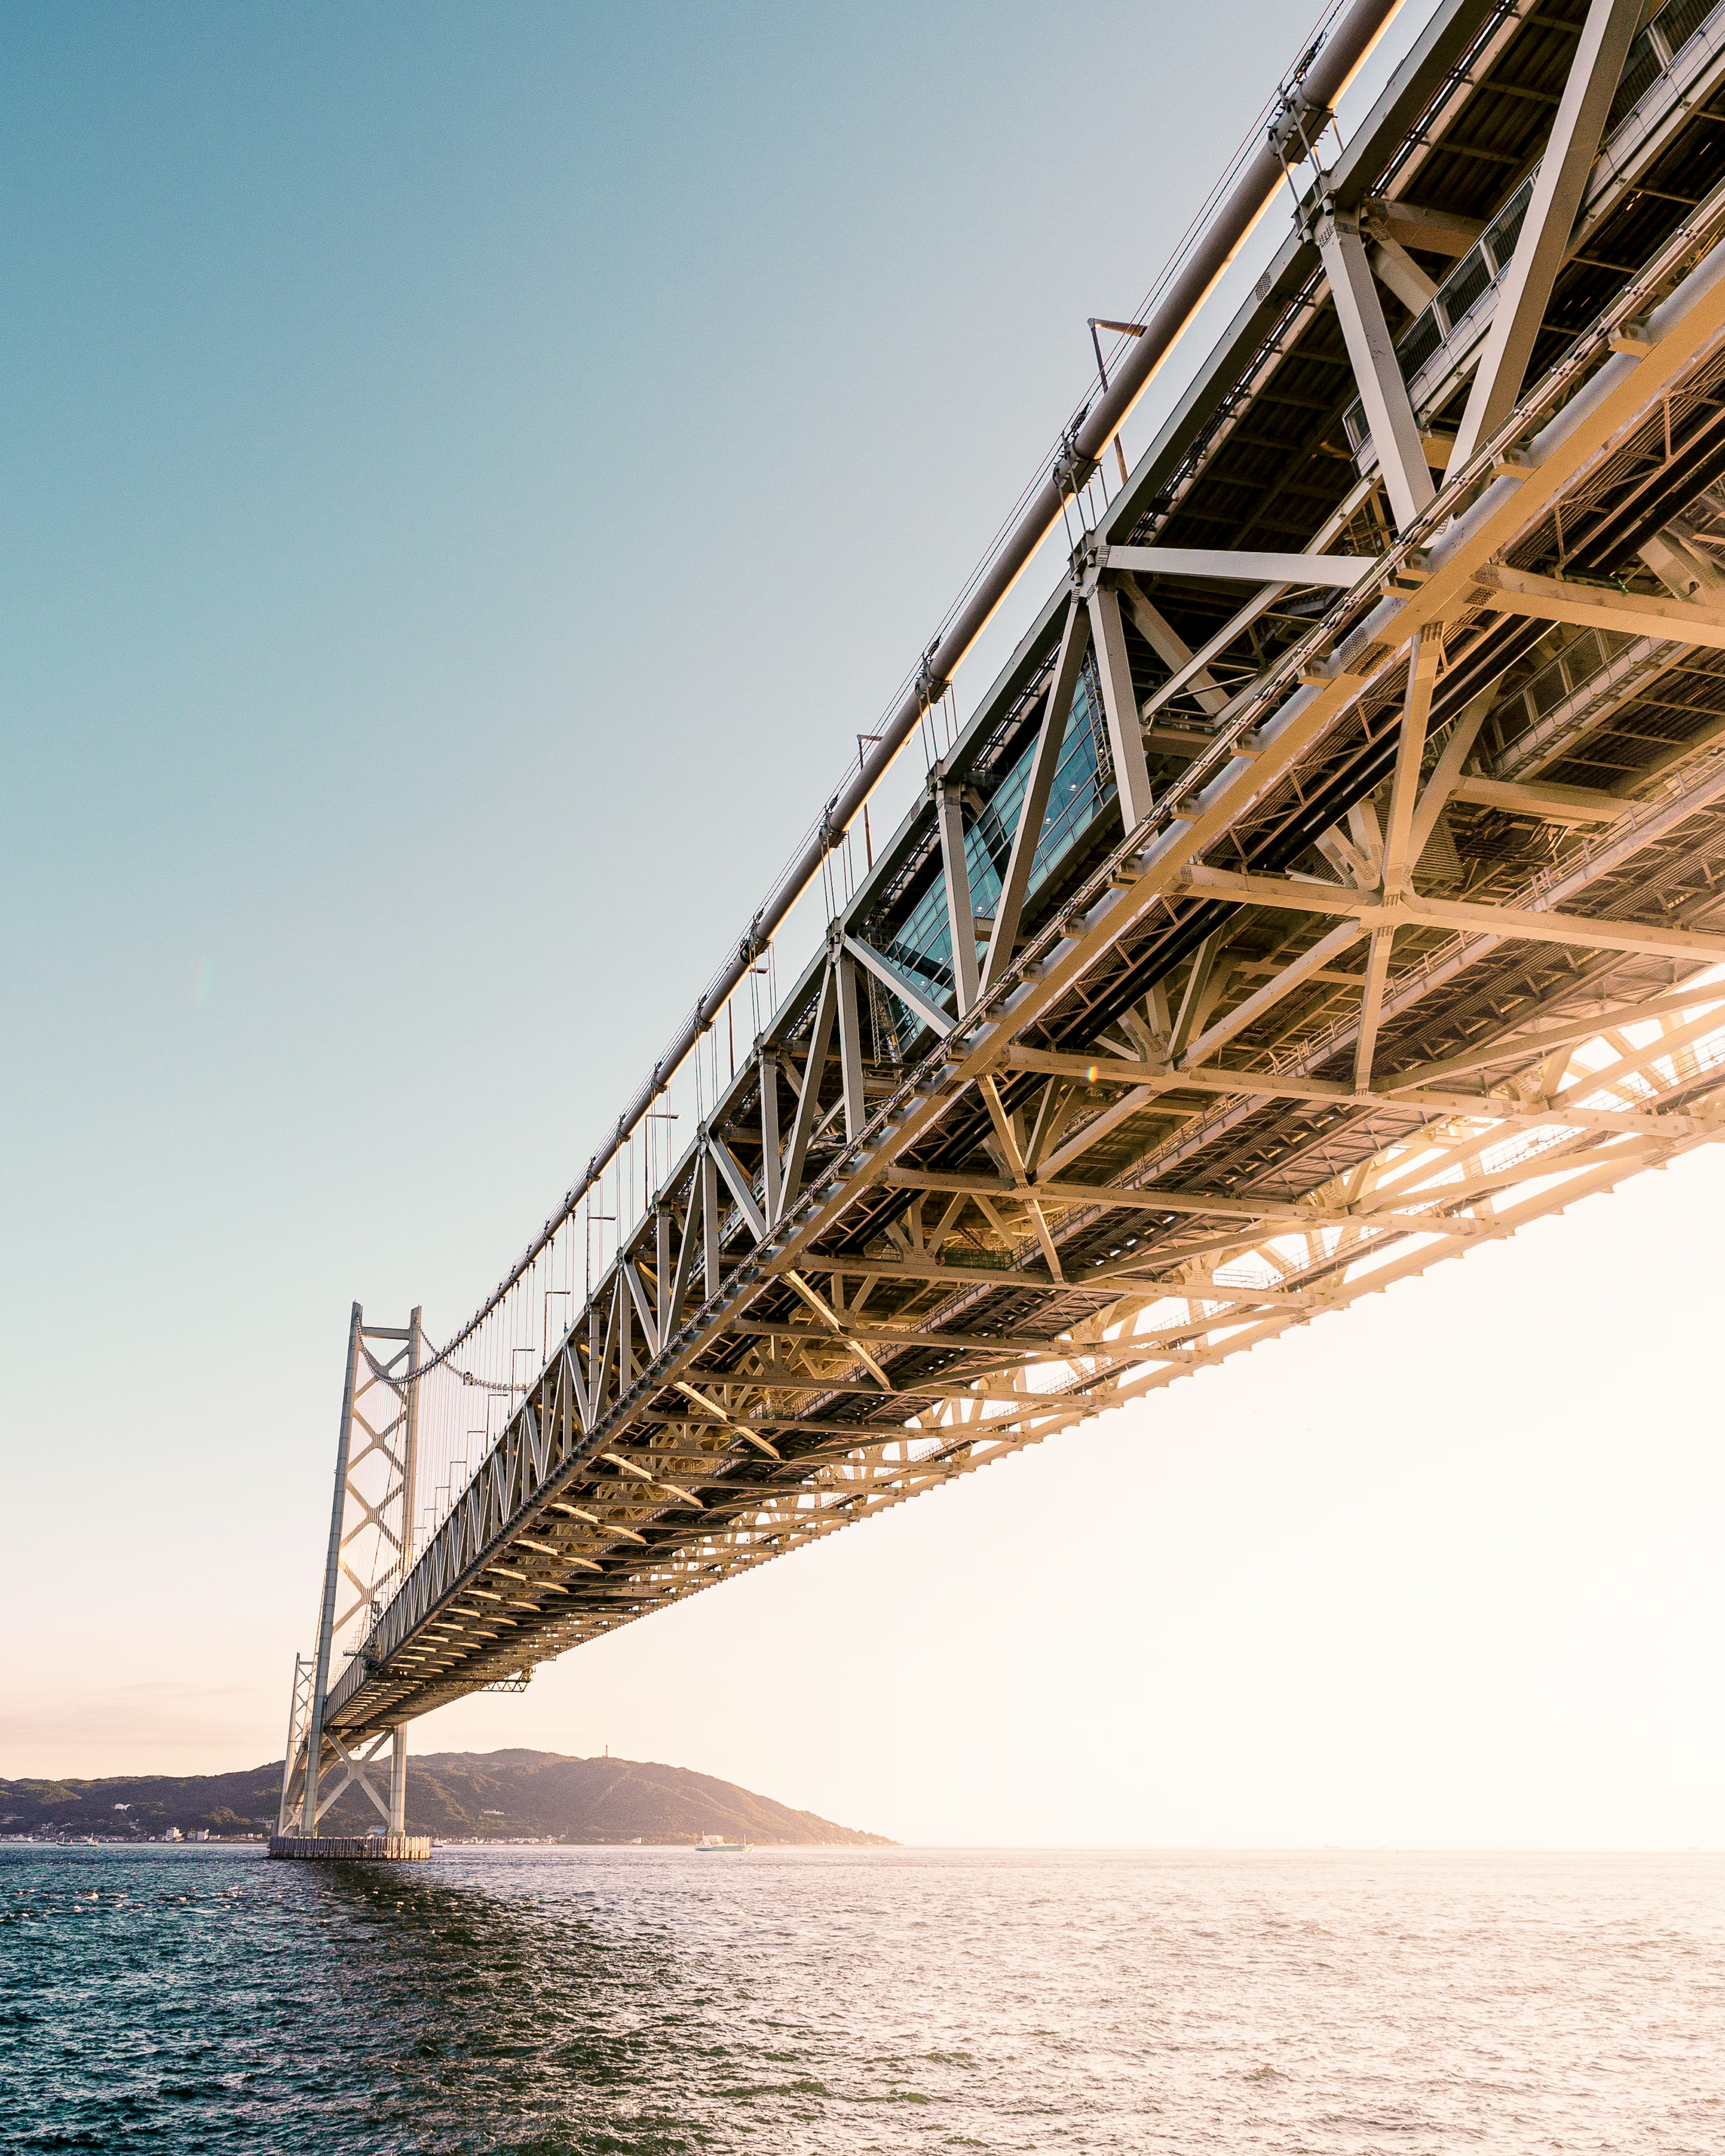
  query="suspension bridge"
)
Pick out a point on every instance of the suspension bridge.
point(1329, 882)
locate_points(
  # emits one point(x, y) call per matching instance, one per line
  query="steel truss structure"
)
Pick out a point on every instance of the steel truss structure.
point(375, 1467)
point(1331, 882)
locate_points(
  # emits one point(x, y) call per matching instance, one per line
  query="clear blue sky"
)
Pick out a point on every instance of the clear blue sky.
point(466, 473)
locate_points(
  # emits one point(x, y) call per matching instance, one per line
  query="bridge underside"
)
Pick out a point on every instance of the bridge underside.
point(1270, 932)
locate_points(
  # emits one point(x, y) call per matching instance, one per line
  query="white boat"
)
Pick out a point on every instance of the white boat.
point(711, 1845)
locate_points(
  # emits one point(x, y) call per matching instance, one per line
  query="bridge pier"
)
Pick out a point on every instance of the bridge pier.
point(394, 1846)
point(398, 1783)
point(363, 1848)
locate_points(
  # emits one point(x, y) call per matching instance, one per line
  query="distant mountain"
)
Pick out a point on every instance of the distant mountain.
point(491, 1795)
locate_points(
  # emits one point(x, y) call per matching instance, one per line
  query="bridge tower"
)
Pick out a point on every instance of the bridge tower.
point(371, 1549)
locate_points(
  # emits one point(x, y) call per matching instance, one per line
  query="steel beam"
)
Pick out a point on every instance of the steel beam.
point(1120, 707)
point(1390, 417)
point(1303, 895)
point(1541, 1039)
point(1233, 565)
point(1171, 648)
point(1593, 606)
point(1543, 241)
point(820, 1038)
point(1325, 1092)
point(955, 869)
point(1432, 231)
point(1447, 772)
point(1310, 965)
point(918, 998)
point(1397, 270)
point(772, 1157)
point(1551, 805)
point(1033, 813)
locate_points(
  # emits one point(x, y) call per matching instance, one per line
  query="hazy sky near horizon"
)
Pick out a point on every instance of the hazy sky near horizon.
point(466, 474)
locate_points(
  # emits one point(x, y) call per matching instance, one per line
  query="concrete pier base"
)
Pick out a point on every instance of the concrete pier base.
point(390, 1848)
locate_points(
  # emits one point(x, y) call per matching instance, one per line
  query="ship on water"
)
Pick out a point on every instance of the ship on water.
point(713, 1845)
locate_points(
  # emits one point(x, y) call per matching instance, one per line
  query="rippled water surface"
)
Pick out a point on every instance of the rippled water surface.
point(835, 2001)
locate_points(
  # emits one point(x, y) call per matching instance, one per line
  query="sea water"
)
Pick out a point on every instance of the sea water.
point(540, 2000)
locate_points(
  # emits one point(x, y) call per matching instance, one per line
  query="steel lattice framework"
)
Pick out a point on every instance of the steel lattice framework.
point(1330, 882)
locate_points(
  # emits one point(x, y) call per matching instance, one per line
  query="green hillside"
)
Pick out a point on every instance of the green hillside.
point(495, 1794)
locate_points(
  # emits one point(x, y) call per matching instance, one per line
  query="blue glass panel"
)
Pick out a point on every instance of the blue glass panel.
point(1083, 787)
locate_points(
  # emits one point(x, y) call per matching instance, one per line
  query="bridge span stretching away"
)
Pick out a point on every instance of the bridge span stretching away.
point(1332, 879)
